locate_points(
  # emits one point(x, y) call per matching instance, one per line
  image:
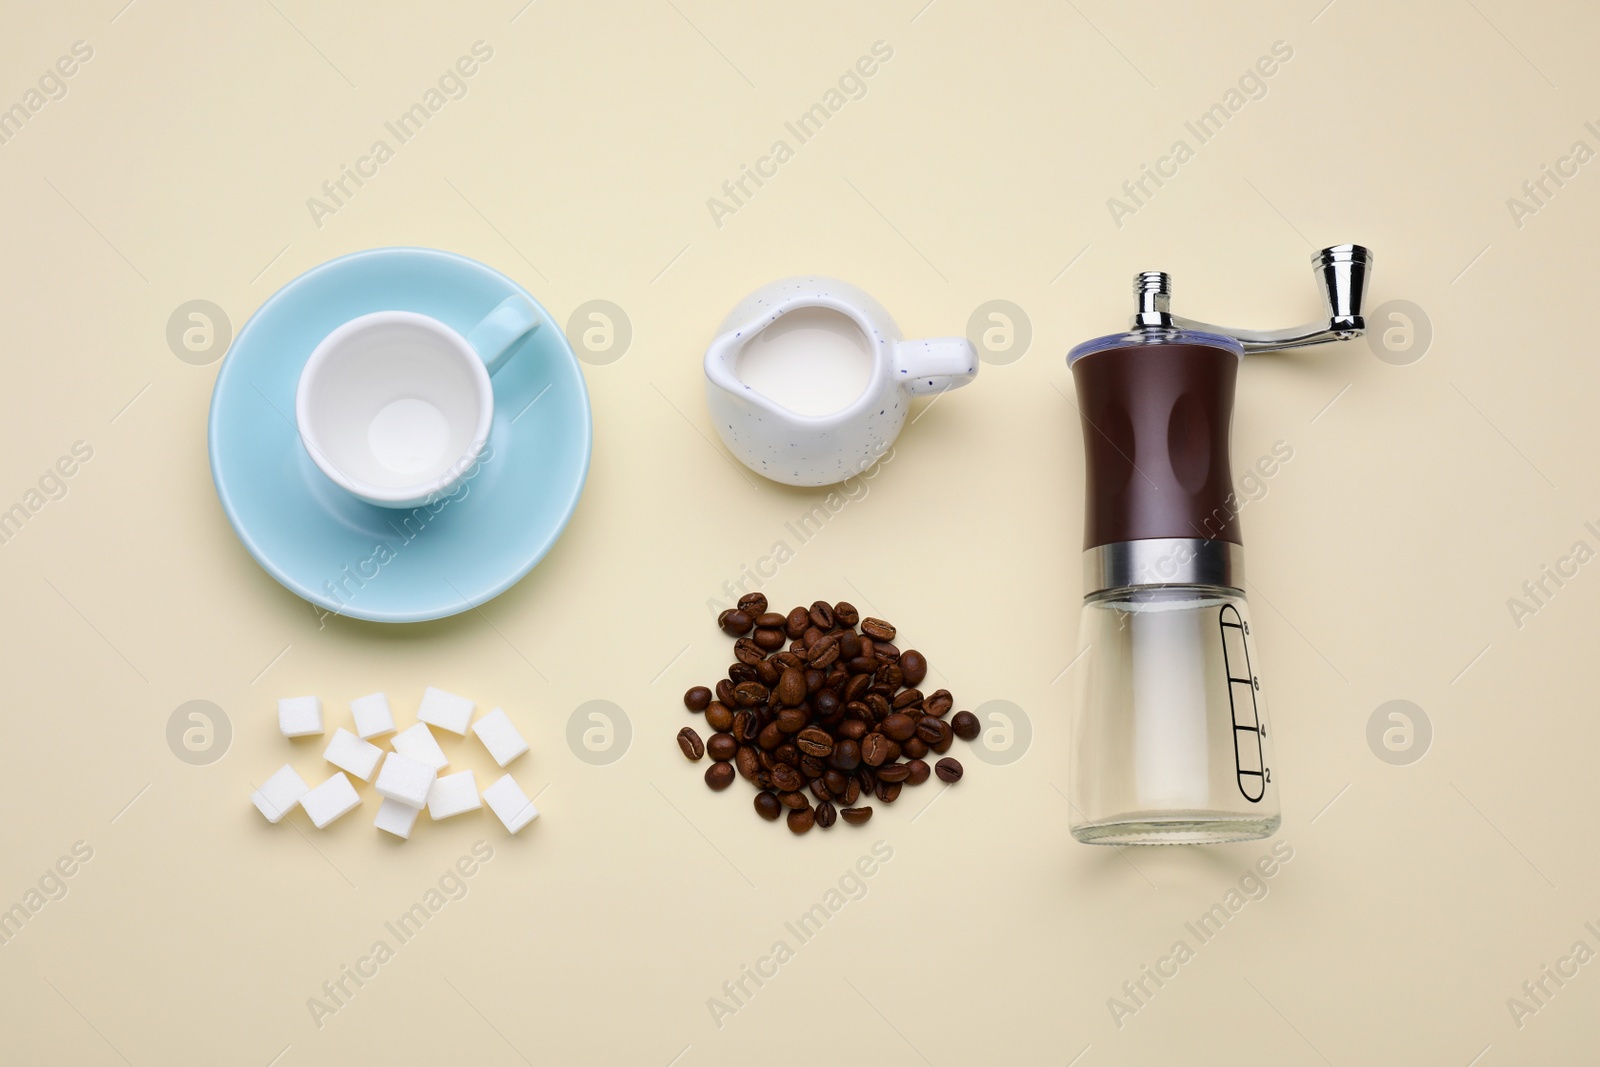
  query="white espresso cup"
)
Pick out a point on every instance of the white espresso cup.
point(395, 407)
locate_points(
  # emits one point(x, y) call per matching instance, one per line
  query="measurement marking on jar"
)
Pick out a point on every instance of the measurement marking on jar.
point(1248, 761)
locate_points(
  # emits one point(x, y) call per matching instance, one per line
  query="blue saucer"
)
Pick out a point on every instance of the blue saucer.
point(352, 558)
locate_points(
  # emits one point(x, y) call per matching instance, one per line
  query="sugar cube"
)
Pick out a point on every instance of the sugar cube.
point(500, 737)
point(404, 779)
point(446, 710)
point(300, 716)
point(508, 802)
point(330, 800)
point(349, 753)
point(396, 818)
point(279, 794)
point(416, 742)
point(372, 715)
point(452, 795)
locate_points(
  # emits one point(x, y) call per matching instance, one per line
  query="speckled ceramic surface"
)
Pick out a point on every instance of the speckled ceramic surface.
point(810, 450)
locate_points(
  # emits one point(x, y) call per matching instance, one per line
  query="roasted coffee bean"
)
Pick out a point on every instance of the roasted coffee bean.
point(689, 741)
point(770, 736)
point(735, 623)
point(938, 703)
point(966, 726)
point(719, 716)
point(753, 604)
point(793, 800)
point(810, 637)
point(745, 650)
point(825, 814)
point(824, 653)
point(816, 681)
point(942, 745)
point(814, 741)
point(745, 759)
point(791, 687)
point(787, 753)
point(819, 789)
point(885, 652)
point(894, 772)
point(749, 731)
point(742, 672)
point(914, 665)
point(769, 673)
point(697, 699)
point(856, 687)
point(849, 644)
point(786, 778)
point(879, 705)
point(877, 629)
point(933, 731)
point(750, 694)
point(770, 620)
point(829, 709)
point(790, 720)
point(864, 667)
point(767, 805)
point(948, 770)
point(854, 729)
point(845, 613)
point(822, 615)
point(888, 792)
point(855, 816)
point(836, 782)
point(852, 790)
point(888, 677)
point(898, 727)
point(919, 772)
point(763, 779)
point(846, 755)
point(812, 767)
point(914, 748)
point(856, 711)
point(874, 749)
point(719, 775)
point(798, 622)
point(801, 820)
point(722, 746)
point(768, 640)
point(798, 647)
point(724, 691)
point(909, 698)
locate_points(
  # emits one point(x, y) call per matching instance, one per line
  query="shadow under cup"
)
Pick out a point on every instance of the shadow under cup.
point(394, 407)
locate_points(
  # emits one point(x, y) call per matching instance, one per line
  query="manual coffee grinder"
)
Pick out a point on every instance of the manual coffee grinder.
point(1170, 743)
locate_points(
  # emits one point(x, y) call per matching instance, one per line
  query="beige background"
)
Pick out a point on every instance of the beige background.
point(977, 167)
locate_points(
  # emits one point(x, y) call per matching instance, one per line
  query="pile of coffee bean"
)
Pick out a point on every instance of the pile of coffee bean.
point(836, 712)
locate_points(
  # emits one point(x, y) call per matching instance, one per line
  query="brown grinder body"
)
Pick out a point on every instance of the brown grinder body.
point(1155, 439)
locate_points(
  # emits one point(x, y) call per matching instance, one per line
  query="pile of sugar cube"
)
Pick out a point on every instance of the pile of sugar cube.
point(408, 778)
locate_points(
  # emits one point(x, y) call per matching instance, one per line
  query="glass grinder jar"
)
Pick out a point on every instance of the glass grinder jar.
point(1170, 742)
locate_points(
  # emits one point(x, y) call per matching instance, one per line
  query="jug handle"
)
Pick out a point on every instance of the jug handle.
point(934, 364)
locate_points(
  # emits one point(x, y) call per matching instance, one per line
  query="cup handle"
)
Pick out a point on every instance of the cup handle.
point(499, 331)
point(935, 364)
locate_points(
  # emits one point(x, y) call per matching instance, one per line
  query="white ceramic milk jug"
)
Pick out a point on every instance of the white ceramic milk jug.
point(827, 431)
